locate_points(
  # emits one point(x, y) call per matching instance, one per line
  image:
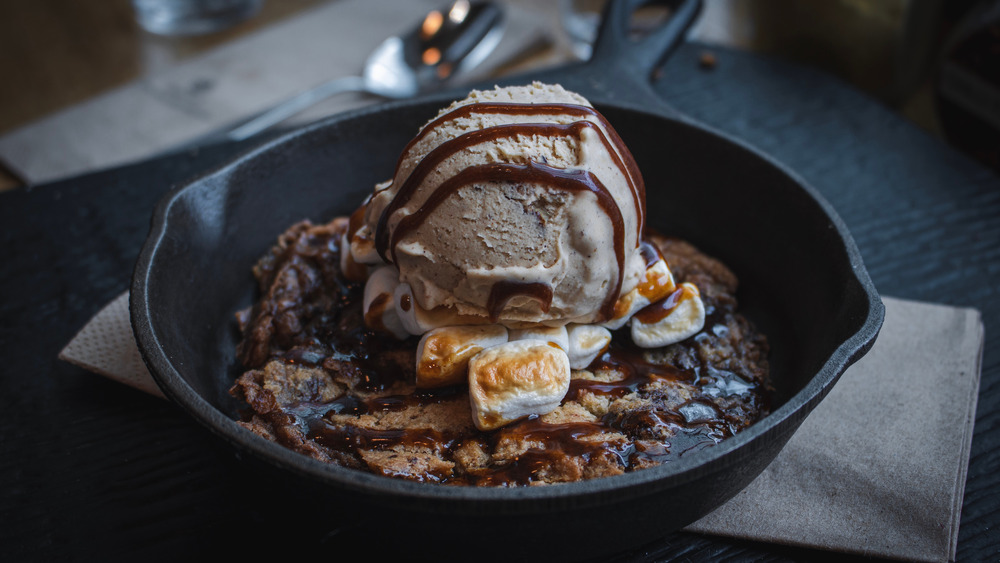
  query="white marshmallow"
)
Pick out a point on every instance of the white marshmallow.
point(443, 354)
point(515, 380)
point(686, 319)
point(351, 269)
point(657, 284)
point(379, 308)
point(555, 335)
point(406, 308)
point(586, 342)
point(363, 247)
point(417, 320)
point(362, 243)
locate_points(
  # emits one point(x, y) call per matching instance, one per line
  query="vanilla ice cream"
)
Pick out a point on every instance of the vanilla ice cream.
point(515, 206)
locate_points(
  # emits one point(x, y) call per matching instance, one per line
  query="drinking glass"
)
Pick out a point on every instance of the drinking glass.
point(192, 17)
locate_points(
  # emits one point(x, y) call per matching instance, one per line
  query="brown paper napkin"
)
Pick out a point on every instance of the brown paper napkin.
point(877, 469)
point(106, 346)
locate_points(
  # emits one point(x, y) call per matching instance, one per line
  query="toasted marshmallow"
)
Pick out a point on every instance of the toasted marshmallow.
point(417, 320)
point(379, 309)
point(657, 284)
point(340, 224)
point(443, 354)
point(362, 245)
point(586, 342)
point(555, 335)
point(351, 269)
point(515, 380)
point(685, 316)
point(362, 238)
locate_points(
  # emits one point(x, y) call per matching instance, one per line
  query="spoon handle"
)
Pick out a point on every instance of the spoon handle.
point(287, 108)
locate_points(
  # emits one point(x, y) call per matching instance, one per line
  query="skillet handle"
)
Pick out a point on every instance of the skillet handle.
point(614, 46)
point(621, 68)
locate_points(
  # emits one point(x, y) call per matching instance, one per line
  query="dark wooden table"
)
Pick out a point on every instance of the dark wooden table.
point(94, 470)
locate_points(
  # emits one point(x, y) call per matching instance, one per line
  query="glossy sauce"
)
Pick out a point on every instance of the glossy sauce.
point(552, 444)
point(532, 173)
point(332, 336)
point(349, 438)
point(623, 158)
point(576, 439)
point(637, 372)
point(689, 426)
point(503, 292)
point(649, 253)
point(568, 180)
point(660, 310)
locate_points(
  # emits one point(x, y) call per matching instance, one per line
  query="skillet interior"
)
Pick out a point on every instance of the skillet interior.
point(802, 282)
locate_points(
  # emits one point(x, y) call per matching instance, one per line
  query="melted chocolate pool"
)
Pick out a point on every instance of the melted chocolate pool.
point(632, 408)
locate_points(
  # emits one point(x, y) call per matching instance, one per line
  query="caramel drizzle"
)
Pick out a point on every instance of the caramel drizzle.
point(662, 309)
point(623, 158)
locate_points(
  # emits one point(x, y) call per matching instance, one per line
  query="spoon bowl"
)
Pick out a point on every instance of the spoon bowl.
point(445, 44)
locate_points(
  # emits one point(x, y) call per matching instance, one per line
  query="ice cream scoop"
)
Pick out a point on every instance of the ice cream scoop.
point(517, 206)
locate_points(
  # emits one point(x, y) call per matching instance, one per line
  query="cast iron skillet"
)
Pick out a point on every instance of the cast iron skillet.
point(802, 282)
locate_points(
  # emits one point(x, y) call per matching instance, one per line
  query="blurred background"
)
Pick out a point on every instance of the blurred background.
point(935, 62)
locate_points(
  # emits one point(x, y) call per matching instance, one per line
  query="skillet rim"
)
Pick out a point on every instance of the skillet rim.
point(776, 426)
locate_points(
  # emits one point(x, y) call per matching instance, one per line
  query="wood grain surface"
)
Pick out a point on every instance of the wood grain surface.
point(55, 53)
point(94, 470)
point(59, 52)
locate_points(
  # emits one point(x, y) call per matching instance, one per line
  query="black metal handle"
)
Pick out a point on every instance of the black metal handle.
point(621, 68)
point(614, 46)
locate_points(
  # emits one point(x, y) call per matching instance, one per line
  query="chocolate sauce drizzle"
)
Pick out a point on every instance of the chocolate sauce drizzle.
point(502, 292)
point(623, 158)
point(385, 245)
point(660, 310)
point(532, 173)
point(567, 180)
point(650, 254)
point(334, 339)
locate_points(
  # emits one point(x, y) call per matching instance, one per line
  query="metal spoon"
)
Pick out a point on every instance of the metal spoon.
point(446, 43)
